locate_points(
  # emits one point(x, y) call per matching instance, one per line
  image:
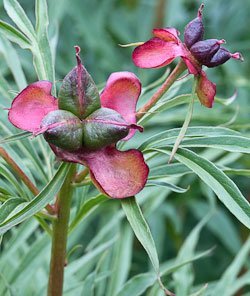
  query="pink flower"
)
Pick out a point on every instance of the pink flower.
point(82, 127)
point(165, 46)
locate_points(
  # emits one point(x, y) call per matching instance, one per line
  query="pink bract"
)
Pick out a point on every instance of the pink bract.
point(121, 94)
point(118, 174)
point(31, 105)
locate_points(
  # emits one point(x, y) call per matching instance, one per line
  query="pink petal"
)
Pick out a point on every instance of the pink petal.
point(121, 94)
point(31, 105)
point(167, 34)
point(205, 90)
point(118, 174)
point(156, 53)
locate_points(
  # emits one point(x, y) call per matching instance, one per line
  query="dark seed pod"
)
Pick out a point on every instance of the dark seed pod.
point(204, 50)
point(221, 56)
point(194, 30)
point(102, 128)
point(63, 129)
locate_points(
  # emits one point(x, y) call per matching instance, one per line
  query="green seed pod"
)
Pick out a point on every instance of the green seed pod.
point(102, 128)
point(63, 129)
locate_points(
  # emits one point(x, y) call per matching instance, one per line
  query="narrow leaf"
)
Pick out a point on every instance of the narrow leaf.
point(14, 35)
point(19, 17)
point(89, 206)
point(15, 137)
point(40, 201)
point(141, 229)
point(172, 187)
point(224, 188)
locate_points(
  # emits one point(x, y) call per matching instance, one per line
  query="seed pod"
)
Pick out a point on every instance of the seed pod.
point(194, 30)
point(62, 129)
point(102, 128)
point(204, 50)
point(221, 56)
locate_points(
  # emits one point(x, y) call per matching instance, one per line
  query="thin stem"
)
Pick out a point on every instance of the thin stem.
point(23, 176)
point(178, 70)
point(185, 124)
point(59, 237)
point(81, 176)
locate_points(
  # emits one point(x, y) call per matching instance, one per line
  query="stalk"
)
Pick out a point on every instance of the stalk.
point(59, 236)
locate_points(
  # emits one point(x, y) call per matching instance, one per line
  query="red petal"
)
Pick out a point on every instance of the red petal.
point(31, 105)
point(167, 34)
point(205, 90)
point(156, 53)
point(118, 174)
point(121, 94)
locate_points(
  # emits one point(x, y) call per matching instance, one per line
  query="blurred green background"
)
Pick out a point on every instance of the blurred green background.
point(98, 26)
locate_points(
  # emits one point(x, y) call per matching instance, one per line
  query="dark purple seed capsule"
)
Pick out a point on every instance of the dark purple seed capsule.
point(221, 56)
point(203, 51)
point(194, 30)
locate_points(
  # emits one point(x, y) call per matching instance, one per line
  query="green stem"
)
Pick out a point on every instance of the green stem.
point(59, 236)
point(178, 70)
point(185, 124)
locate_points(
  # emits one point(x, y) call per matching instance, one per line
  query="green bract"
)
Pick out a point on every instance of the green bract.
point(63, 129)
point(78, 93)
point(103, 127)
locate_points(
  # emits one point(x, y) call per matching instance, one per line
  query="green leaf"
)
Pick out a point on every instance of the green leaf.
point(42, 22)
point(7, 207)
point(19, 17)
point(88, 207)
point(14, 35)
point(5, 91)
point(185, 125)
point(14, 63)
point(227, 283)
point(39, 202)
point(224, 188)
point(141, 229)
point(78, 93)
point(229, 143)
point(168, 136)
point(172, 187)
point(15, 137)
point(184, 276)
point(176, 101)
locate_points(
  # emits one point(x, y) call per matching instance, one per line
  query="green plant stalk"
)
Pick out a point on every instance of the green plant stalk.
point(59, 236)
point(178, 70)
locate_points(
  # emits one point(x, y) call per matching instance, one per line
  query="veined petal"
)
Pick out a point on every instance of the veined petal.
point(121, 94)
point(205, 90)
point(31, 105)
point(156, 53)
point(118, 174)
point(167, 34)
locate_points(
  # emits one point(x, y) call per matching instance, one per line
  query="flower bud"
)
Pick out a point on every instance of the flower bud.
point(221, 56)
point(204, 50)
point(102, 128)
point(194, 30)
point(62, 129)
